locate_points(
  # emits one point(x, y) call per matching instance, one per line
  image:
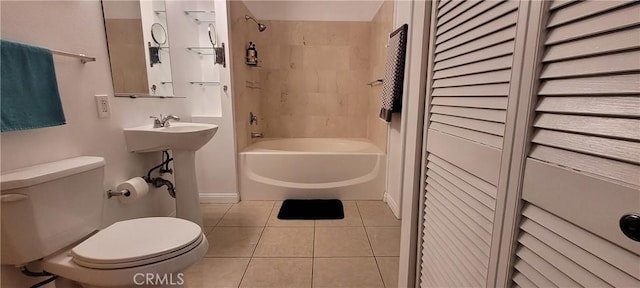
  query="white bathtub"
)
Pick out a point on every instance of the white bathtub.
point(312, 168)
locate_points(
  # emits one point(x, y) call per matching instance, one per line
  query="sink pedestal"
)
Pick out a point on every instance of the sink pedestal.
point(187, 196)
point(183, 139)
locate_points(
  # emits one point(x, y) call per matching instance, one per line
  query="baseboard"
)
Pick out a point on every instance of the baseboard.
point(393, 205)
point(219, 198)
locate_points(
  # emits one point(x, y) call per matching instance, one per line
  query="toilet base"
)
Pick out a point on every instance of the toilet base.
point(62, 264)
point(67, 283)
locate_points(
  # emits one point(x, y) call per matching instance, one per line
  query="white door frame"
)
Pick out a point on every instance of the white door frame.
point(418, 15)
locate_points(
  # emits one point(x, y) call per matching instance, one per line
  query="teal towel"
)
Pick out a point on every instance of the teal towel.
point(29, 95)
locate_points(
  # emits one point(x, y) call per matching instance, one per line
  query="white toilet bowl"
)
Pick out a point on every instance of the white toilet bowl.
point(132, 253)
point(50, 213)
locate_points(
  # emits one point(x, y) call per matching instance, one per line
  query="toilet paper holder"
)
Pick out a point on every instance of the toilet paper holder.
point(124, 192)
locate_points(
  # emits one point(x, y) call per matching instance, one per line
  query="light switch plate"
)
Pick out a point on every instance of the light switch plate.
point(102, 104)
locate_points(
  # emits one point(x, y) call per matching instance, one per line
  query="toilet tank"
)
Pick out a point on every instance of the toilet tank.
point(49, 206)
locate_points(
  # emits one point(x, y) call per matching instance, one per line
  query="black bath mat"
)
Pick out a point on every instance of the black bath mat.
point(317, 209)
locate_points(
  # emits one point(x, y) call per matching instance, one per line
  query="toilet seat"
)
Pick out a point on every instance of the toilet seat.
point(137, 242)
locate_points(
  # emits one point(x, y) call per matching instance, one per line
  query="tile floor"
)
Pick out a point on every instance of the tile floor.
point(250, 247)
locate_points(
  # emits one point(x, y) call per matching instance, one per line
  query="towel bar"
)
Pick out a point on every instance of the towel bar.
point(83, 58)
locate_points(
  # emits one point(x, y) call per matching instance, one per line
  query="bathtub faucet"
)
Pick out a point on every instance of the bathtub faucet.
point(253, 118)
point(256, 135)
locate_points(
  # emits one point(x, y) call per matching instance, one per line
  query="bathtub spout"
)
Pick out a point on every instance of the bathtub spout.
point(256, 135)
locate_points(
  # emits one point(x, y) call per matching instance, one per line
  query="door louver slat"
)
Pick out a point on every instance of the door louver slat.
point(545, 268)
point(599, 106)
point(612, 254)
point(467, 185)
point(472, 62)
point(498, 50)
point(466, 5)
point(498, 37)
point(466, 15)
point(573, 251)
point(620, 128)
point(581, 10)
point(536, 278)
point(562, 263)
point(592, 26)
point(608, 43)
point(478, 213)
point(480, 19)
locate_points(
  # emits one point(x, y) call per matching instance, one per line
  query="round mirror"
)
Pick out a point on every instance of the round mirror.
point(212, 35)
point(158, 34)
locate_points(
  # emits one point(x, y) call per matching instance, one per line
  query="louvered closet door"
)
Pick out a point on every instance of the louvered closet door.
point(472, 55)
point(582, 173)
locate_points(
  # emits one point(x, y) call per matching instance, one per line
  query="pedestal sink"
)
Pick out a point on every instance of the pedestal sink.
point(183, 139)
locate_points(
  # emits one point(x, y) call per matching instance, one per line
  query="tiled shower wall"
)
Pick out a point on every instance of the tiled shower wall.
point(312, 77)
point(381, 26)
point(245, 99)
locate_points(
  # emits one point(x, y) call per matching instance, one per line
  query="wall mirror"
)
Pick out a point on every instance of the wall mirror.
point(138, 43)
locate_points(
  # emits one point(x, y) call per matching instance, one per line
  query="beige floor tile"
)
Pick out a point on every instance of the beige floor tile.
point(216, 273)
point(346, 272)
point(247, 213)
point(341, 241)
point(212, 213)
point(233, 241)
point(274, 221)
point(377, 213)
point(255, 203)
point(351, 217)
point(385, 241)
point(278, 273)
point(285, 242)
point(389, 269)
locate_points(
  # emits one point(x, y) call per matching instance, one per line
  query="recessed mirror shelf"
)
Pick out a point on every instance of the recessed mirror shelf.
point(202, 50)
point(206, 83)
point(201, 16)
point(136, 96)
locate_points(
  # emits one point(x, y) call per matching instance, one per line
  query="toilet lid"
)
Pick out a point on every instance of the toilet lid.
point(137, 240)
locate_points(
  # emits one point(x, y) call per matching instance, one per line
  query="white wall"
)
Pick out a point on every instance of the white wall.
point(77, 26)
point(216, 161)
point(314, 10)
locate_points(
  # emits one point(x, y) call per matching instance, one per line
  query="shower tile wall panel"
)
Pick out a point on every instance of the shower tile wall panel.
point(381, 26)
point(245, 99)
point(313, 78)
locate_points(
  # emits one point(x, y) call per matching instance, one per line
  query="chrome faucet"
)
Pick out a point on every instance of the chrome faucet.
point(253, 118)
point(256, 135)
point(163, 121)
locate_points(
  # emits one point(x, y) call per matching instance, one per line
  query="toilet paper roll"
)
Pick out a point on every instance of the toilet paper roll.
point(137, 187)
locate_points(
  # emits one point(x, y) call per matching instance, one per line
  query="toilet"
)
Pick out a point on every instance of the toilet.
point(51, 215)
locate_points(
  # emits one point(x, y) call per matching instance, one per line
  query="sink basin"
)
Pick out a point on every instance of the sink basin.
point(179, 136)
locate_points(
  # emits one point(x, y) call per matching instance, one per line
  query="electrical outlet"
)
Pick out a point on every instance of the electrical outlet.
point(102, 104)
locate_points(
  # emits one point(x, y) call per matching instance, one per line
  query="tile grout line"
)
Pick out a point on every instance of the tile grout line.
point(255, 248)
point(251, 257)
point(371, 246)
point(313, 251)
point(264, 227)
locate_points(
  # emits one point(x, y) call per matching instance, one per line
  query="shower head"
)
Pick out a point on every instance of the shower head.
point(261, 27)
